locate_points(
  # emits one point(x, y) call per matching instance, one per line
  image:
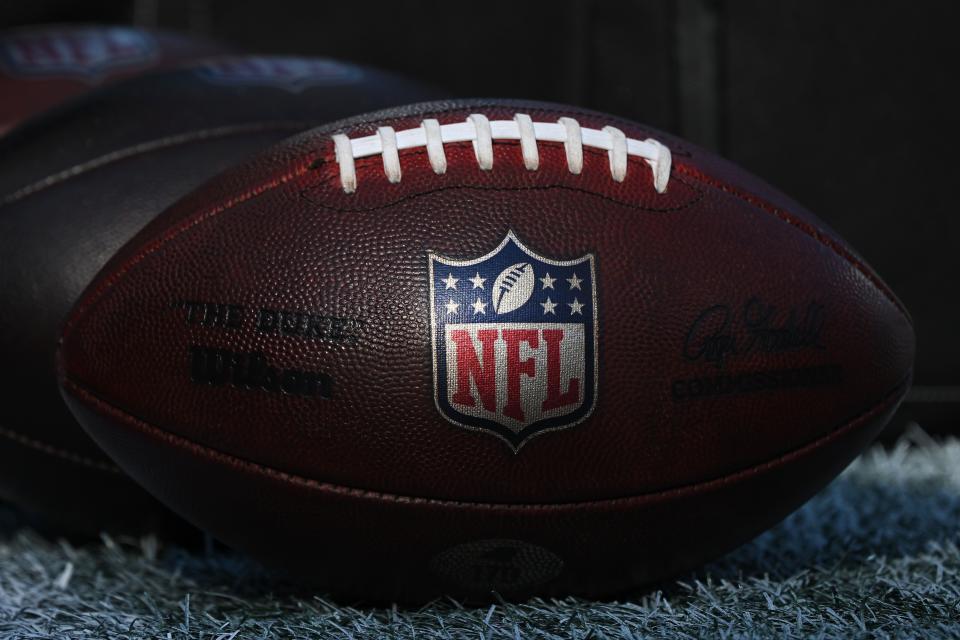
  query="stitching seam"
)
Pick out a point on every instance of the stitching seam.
point(57, 452)
point(143, 149)
point(147, 250)
point(421, 153)
point(802, 226)
point(890, 398)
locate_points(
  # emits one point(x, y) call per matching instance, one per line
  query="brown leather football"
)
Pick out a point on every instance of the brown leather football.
point(42, 66)
point(79, 182)
point(470, 346)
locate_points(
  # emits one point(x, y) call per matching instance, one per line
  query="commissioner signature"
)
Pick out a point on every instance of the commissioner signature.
point(723, 332)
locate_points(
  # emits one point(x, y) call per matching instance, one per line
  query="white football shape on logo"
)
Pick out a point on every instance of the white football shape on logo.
point(513, 287)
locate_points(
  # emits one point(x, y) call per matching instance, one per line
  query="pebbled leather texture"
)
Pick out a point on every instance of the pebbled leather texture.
point(78, 183)
point(41, 67)
point(372, 490)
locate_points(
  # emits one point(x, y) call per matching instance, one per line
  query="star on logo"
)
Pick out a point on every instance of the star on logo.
point(574, 282)
point(548, 307)
point(547, 281)
point(477, 281)
point(452, 306)
point(479, 307)
point(576, 307)
point(450, 282)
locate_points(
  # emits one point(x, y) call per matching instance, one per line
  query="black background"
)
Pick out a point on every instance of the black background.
point(849, 107)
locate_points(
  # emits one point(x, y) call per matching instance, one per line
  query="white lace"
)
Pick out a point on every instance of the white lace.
point(481, 132)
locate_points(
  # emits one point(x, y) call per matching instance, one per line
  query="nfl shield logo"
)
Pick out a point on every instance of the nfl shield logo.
point(514, 341)
point(85, 54)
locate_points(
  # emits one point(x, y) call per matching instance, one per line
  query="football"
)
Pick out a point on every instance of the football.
point(513, 287)
point(485, 346)
point(43, 66)
point(75, 185)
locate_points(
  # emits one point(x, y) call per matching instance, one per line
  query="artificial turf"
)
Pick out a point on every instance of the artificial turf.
point(874, 555)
